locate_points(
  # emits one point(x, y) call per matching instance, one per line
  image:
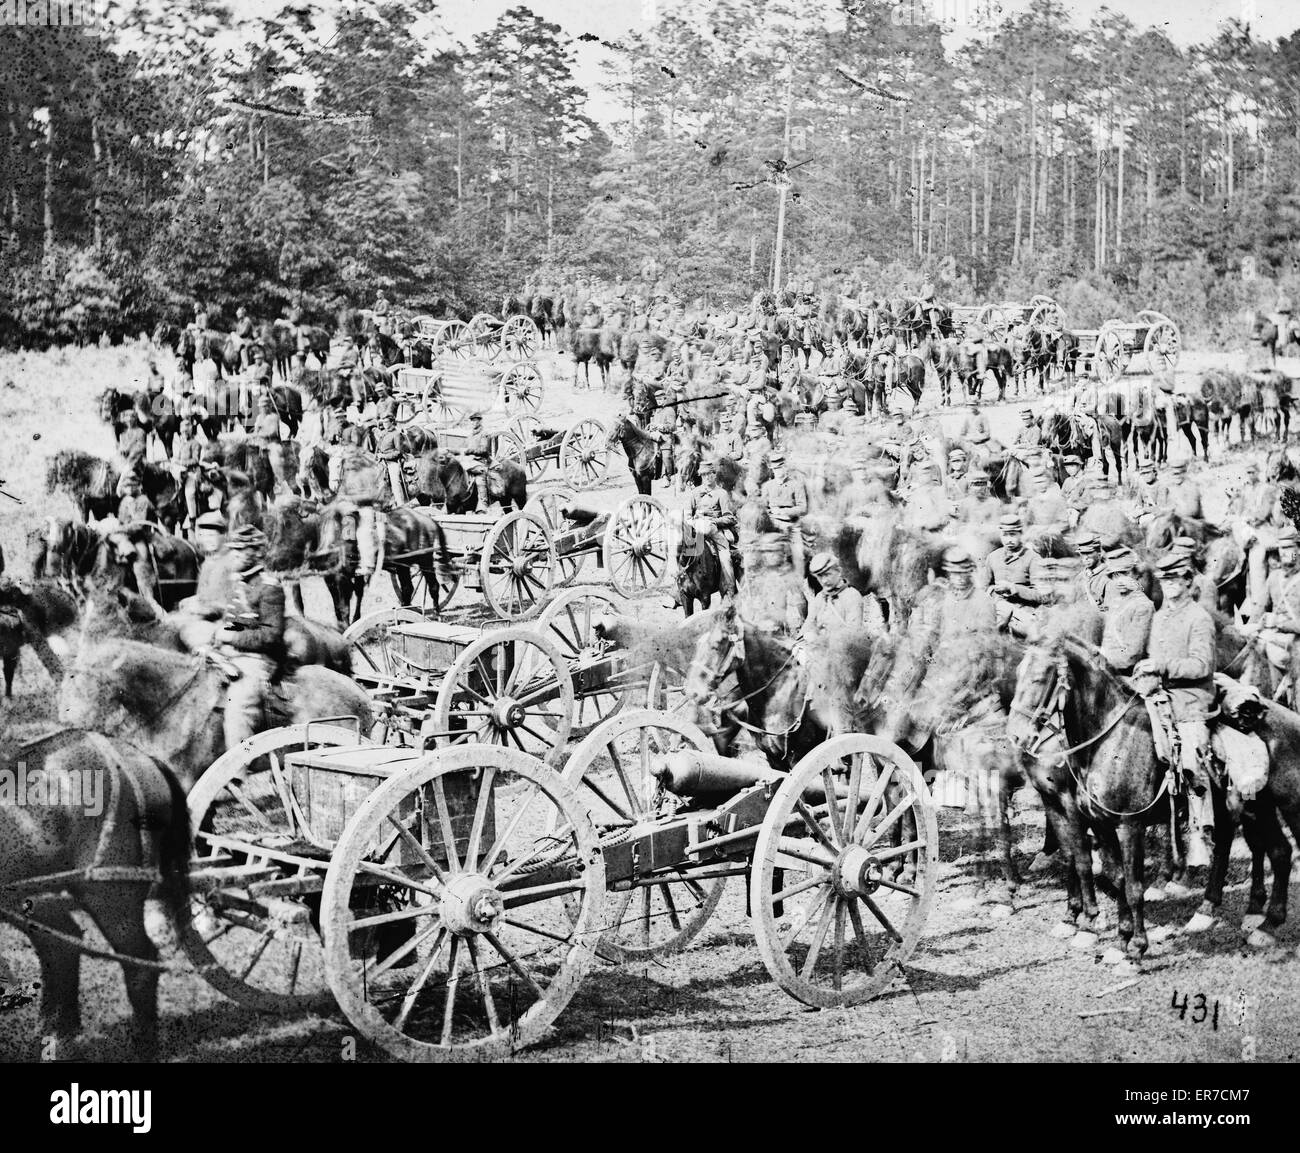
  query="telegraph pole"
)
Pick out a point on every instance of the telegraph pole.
point(783, 178)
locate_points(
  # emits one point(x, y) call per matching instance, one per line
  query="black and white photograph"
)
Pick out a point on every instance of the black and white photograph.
point(650, 532)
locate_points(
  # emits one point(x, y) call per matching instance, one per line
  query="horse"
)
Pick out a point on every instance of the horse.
point(966, 367)
point(697, 571)
point(587, 344)
point(29, 615)
point(640, 448)
point(1035, 353)
point(1264, 332)
point(91, 484)
point(1192, 415)
point(138, 836)
point(1062, 434)
point(787, 707)
point(168, 576)
point(440, 477)
point(909, 377)
point(170, 704)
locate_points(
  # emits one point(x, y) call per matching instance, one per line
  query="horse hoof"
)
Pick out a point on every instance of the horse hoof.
point(1251, 921)
point(1261, 940)
point(1154, 893)
point(1063, 930)
point(1084, 941)
point(1199, 923)
point(1113, 956)
point(1175, 890)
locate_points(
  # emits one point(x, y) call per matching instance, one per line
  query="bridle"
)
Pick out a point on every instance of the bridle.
point(713, 677)
point(1048, 721)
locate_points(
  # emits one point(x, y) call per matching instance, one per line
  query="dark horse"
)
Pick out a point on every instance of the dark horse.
point(139, 836)
point(699, 573)
point(641, 449)
point(1062, 434)
point(1065, 691)
point(441, 478)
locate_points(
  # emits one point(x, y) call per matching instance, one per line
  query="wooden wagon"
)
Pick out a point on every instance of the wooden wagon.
point(1107, 351)
point(452, 896)
point(447, 393)
point(580, 453)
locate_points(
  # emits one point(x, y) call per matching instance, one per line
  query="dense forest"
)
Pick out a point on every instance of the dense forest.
point(171, 153)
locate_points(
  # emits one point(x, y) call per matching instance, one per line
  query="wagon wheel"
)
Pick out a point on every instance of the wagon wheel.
point(1162, 346)
point(1109, 360)
point(432, 598)
point(996, 322)
point(569, 622)
point(521, 390)
point(368, 640)
point(454, 340)
point(611, 770)
point(484, 334)
point(487, 956)
point(854, 923)
point(584, 454)
point(520, 338)
point(269, 963)
point(427, 327)
point(510, 687)
point(636, 546)
point(1045, 312)
point(545, 505)
point(515, 442)
point(440, 411)
point(517, 566)
point(407, 409)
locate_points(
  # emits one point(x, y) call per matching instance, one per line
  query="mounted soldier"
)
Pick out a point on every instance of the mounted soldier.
point(251, 636)
point(837, 608)
point(187, 465)
point(1179, 669)
point(1128, 617)
point(1276, 621)
point(389, 449)
point(1009, 573)
point(713, 511)
point(1093, 575)
point(381, 310)
point(786, 498)
point(477, 456)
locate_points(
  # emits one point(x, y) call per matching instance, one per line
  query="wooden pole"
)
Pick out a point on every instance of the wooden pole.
point(785, 157)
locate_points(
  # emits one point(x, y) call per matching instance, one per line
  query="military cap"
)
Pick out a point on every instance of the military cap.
point(1087, 542)
point(777, 457)
point(957, 559)
point(1029, 412)
point(1178, 465)
point(1010, 520)
point(822, 562)
point(1072, 458)
point(979, 478)
point(957, 454)
point(212, 521)
point(476, 418)
point(1120, 561)
point(1174, 565)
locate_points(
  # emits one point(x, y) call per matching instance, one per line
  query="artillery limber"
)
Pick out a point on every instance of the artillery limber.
point(1107, 351)
point(580, 453)
point(446, 394)
point(463, 890)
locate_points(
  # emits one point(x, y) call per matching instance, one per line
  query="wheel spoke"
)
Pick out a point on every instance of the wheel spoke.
point(879, 914)
point(453, 985)
point(814, 950)
point(888, 823)
point(522, 973)
point(413, 993)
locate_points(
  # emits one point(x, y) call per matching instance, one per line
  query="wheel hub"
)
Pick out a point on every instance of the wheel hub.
point(470, 905)
point(521, 565)
point(507, 713)
point(855, 872)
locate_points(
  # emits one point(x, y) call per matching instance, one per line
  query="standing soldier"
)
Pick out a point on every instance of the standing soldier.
point(1181, 658)
point(786, 499)
point(388, 448)
point(252, 634)
point(1129, 612)
point(728, 442)
point(478, 451)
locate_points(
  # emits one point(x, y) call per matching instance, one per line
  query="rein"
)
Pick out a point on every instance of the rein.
point(737, 652)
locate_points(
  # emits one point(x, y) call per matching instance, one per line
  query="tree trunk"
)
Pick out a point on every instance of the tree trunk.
point(97, 178)
point(15, 152)
point(1020, 201)
point(988, 202)
point(1033, 163)
point(1119, 201)
point(47, 195)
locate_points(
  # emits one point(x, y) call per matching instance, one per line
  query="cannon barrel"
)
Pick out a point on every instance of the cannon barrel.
point(689, 773)
point(579, 514)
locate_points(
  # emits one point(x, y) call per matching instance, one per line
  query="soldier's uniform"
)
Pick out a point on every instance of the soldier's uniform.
point(1009, 568)
point(133, 445)
point(713, 504)
point(267, 426)
point(786, 499)
point(1030, 435)
point(478, 450)
point(187, 461)
point(975, 433)
point(1181, 648)
point(1129, 612)
point(728, 442)
point(1279, 615)
point(388, 448)
point(253, 634)
point(834, 610)
point(664, 425)
point(1074, 489)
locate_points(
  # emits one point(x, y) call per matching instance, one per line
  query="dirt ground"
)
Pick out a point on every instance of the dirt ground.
point(977, 989)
